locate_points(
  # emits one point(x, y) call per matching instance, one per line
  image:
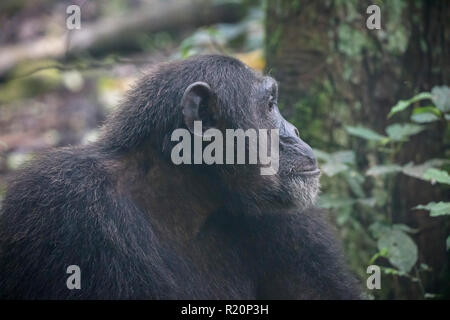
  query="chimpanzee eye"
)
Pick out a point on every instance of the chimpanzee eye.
point(272, 102)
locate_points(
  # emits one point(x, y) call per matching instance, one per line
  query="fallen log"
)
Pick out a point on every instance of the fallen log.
point(113, 32)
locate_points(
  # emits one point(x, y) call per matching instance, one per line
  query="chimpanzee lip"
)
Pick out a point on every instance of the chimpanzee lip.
point(313, 172)
point(305, 173)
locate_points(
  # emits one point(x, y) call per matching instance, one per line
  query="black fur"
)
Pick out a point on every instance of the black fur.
point(140, 227)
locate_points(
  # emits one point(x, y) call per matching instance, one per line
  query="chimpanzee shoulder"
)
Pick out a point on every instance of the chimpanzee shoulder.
point(62, 209)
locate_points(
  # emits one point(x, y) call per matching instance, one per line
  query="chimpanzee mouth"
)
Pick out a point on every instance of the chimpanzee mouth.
point(305, 173)
point(302, 170)
point(310, 173)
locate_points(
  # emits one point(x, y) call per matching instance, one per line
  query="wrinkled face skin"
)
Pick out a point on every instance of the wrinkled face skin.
point(296, 184)
point(297, 180)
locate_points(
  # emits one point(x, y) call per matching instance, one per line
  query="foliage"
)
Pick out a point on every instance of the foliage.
point(436, 209)
point(371, 206)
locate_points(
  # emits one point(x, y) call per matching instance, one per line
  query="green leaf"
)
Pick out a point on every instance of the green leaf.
point(404, 228)
point(402, 251)
point(344, 156)
point(425, 267)
point(378, 229)
point(335, 162)
point(415, 171)
point(401, 132)
point(436, 175)
point(441, 97)
point(403, 104)
point(431, 295)
point(381, 196)
point(418, 171)
point(393, 271)
point(424, 117)
point(427, 109)
point(436, 209)
point(400, 106)
point(370, 202)
point(381, 170)
point(327, 202)
point(365, 133)
point(332, 168)
point(321, 155)
point(382, 253)
point(355, 180)
point(343, 216)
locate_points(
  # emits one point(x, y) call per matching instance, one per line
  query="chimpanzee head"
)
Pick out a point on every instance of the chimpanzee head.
point(221, 94)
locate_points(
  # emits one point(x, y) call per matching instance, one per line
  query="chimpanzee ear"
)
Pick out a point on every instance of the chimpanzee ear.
point(197, 105)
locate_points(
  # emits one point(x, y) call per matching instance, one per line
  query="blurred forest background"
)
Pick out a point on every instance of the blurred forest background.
point(374, 104)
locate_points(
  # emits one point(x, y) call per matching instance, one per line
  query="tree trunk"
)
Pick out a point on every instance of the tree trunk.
point(333, 71)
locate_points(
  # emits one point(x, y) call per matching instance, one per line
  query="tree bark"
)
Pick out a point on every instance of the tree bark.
point(305, 52)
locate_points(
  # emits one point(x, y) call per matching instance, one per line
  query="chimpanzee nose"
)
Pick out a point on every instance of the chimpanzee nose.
point(308, 152)
point(292, 129)
point(305, 149)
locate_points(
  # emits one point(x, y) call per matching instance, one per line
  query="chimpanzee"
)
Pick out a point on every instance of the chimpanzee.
point(139, 226)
